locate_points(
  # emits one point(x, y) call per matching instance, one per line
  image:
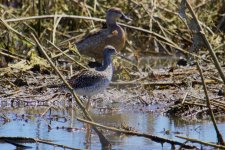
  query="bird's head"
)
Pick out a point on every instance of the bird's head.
point(109, 50)
point(115, 14)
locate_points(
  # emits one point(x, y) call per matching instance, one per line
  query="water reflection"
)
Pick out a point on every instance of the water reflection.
point(30, 122)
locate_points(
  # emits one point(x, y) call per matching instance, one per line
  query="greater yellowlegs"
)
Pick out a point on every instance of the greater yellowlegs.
point(93, 44)
point(91, 82)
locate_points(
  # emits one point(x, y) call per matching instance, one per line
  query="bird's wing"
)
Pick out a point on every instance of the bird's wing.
point(94, 44)
point(85, 78)
point(88, 35)
point(92, 40)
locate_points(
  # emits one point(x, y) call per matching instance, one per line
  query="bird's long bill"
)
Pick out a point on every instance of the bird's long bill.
point(124, 17)
point(116, 55)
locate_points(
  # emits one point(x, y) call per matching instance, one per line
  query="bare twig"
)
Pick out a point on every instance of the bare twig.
point(64, 53)
point(33, 140)
point(9, 55)
point(103, 140)
point(15, 31)
point(208, 45)
point(201, 142)
point(167, 41)
point(56, 22)
point(160, 83)
point(219, 135)
point(149, 136)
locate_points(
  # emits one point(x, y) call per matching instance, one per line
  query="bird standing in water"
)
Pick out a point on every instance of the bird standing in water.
point(91, 82)
point(93, 44)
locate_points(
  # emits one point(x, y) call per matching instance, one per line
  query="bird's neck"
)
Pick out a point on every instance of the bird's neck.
point(112, 26)
point(111, 22)
point(106, 64)
point(107, 67)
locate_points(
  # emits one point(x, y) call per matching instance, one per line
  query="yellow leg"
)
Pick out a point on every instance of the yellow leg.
point(88, 136)
point(88, 126)
point(88, 104)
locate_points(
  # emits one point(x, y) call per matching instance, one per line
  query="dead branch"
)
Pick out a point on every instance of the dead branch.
point(208, 45)
point(103, 140)
point(173, 83)
point(201, 142)
point(219, 135)
point(33, 140)
point(149, 136)
point(168, 41)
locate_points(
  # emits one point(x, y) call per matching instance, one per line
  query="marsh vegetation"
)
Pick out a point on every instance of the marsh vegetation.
point(172, 67)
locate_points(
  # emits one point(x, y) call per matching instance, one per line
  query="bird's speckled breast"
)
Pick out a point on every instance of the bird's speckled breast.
point(99, 87)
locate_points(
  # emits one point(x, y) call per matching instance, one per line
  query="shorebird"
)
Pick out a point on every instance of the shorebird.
point(94, 81)
point(93, 44)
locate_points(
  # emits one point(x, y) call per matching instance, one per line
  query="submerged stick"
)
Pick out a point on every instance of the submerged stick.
point(219, 135)
point(201, 142)
point(149, 136)
point(103, 140)
point(33, 140)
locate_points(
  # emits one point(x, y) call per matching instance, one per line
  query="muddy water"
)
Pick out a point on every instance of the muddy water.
point(30, 123)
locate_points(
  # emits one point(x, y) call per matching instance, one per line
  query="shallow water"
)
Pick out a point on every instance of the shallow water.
point(30, 123)
point(34, 121)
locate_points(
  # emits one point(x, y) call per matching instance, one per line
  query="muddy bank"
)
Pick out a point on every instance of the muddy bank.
point(174, 91)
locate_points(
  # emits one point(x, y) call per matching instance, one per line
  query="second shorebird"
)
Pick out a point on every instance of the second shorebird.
point(93, 44)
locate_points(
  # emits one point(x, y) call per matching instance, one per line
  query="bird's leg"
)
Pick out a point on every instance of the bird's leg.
point(88, 126)
point(88, 136)
point(88, 103)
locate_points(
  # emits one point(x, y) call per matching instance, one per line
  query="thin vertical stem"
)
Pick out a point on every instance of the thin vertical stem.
point(219, 136)
point(105, 143)
point(208, 45)
point(39, 21)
